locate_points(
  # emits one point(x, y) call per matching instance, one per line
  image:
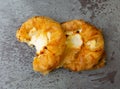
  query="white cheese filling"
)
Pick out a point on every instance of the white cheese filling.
point(74, 40)
point(39, 42)
point(39, 39)
point(92, 44)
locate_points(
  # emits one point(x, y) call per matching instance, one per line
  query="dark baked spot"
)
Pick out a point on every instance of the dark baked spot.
point(37, 54)
point(77, 31)
point(66, 35)
point(45, 47)
point(36, 16)
point(41, 52)
point(53, 53)
point(63, 22)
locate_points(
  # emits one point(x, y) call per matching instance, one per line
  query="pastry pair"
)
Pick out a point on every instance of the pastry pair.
point(75, 45)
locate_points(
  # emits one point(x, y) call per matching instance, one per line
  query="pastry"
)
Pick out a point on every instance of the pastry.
point(49, 40)
point(84, 46)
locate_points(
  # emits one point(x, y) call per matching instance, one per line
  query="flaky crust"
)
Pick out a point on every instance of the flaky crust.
point(49, 58)
point(87, 57)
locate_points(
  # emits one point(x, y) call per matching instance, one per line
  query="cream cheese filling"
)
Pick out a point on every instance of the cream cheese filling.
point(74, 40)
point(39, 39)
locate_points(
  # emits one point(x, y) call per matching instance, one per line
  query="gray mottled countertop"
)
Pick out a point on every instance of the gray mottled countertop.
point(16, 58)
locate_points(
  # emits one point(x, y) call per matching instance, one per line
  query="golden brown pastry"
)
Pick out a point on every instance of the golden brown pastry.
point(75, 45)
point(84, 46)
point(49, 40)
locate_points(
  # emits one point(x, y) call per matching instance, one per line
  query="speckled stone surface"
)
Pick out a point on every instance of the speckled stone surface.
point(16, 58)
